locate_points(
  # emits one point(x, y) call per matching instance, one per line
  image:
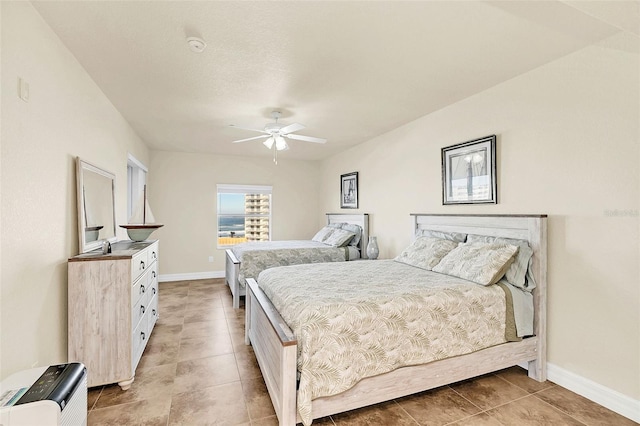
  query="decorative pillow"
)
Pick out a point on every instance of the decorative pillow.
point(336, 225)
point(452, 236)
point(426, 252)
point(323, 234)
point(339, 238)
point(352, 227)
point(516, 275)
point(478, 262)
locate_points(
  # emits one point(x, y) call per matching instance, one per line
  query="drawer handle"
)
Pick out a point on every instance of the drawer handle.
point(142, 309)
point(154, 273)
point(153, 254)
point(153, 311)
point(144, 336)
point(142, 264)
point(142, 289)
point(153, 289)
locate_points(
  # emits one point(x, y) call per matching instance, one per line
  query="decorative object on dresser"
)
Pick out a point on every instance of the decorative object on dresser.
point(349, 191)
point(142, 223)
point(372, 248)
point(96, 206)
point(112, 309)
point(469, 172)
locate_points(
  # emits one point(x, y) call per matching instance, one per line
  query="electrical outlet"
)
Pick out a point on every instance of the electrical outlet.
point(210, 259)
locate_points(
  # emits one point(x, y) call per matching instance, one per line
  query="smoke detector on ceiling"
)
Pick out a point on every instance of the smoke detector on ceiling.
point(196, 44)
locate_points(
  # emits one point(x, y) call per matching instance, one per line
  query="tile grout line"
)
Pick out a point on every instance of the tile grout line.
point(557, 409)
point(405, 411)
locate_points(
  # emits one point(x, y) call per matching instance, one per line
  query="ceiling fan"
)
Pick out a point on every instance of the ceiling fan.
point(276, 133)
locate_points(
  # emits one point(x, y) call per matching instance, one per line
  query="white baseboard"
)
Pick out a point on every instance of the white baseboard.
point(608, 398)
point(190, 276)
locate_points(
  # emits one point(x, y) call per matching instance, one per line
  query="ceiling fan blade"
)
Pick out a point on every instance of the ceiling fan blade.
point(291, 128)
point(251, 139)
point(247, 128)
point(306, 138)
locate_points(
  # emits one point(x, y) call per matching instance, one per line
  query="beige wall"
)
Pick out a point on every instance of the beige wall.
point(67, 116)
point(568, 146)
point(182, 194)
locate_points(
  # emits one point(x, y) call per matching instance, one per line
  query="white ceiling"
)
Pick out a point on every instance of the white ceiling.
point(348, 71)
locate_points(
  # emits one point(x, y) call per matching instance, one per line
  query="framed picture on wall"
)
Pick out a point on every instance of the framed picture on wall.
point(349, 191)
point(469, 172)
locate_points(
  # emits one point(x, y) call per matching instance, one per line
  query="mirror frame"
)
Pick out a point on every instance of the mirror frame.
point(81, 167)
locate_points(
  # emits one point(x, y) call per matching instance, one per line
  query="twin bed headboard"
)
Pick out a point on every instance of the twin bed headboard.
point(360, 219)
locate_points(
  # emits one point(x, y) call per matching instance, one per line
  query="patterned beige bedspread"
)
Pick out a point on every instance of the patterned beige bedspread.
point(359, 319)
point(255, 257)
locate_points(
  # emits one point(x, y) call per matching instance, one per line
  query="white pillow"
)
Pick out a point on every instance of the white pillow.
point(339, 238)
point(323, 234)
point(356, 229)
point(481, 263)
point(426, 252)
point(516, 275)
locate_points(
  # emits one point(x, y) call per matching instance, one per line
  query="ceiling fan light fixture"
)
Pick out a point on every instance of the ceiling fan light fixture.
point(269, 143)
point(281, 144)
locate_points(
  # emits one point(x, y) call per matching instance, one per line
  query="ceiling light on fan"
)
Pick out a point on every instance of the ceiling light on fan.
point(281, 144)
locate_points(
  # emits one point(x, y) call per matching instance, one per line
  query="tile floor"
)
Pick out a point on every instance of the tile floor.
point(196, 370)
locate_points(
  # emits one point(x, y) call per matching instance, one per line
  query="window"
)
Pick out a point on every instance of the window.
point(244, 214)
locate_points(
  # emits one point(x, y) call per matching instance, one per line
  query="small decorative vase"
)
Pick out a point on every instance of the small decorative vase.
point(372, 248)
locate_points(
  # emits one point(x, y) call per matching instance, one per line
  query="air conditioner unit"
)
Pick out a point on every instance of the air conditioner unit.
point(46, 396)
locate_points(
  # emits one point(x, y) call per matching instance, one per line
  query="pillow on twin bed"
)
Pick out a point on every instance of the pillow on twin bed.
point(339, 238)
point(516, 275)
point(452, 236)
point(357, 231)
point(426, 252)
point(336, 225)
point(323, 234)
point(478, 262)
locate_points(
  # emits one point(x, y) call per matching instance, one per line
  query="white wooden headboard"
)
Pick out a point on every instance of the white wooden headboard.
point(361, 219)
point(532, 228)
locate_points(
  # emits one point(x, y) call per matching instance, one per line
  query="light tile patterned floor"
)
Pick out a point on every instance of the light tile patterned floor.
point(196, 370)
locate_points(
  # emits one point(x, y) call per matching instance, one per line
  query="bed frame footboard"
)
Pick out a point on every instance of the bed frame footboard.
point(275, 348)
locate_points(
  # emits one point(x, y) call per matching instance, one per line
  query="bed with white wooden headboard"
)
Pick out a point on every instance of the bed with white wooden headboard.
point(276, 350)
point(233, 264)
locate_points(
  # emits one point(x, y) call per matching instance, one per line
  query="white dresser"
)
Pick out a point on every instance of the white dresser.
point(113, 306)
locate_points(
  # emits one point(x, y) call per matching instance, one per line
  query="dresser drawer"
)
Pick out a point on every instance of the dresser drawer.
point(152, 314)
point(152, 285)
point(139, 339)
point(139, 288)
point(153, 253)
point(139, 263)
point(138, 311)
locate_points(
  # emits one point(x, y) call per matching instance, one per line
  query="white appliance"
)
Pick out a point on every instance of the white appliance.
point(46, 396)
